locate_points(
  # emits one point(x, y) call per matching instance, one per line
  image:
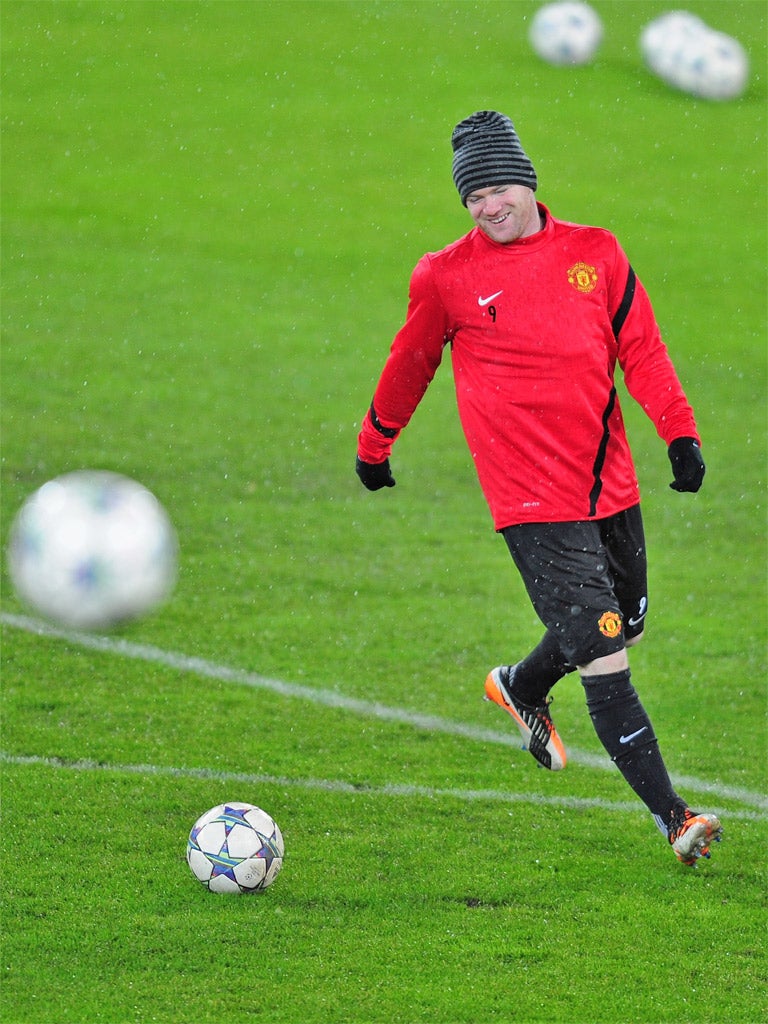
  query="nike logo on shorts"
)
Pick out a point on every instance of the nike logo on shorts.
point(641, 612)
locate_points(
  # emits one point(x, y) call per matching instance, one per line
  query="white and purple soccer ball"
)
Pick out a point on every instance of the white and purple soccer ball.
point(92, 549)
point(569, 32)
point(235, 848)
point(689, 55)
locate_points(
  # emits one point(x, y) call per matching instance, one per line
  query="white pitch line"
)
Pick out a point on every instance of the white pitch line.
point(353, 789)
point(329, 698)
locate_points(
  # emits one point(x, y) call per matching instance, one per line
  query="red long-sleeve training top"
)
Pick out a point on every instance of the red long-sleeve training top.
point(535, 329)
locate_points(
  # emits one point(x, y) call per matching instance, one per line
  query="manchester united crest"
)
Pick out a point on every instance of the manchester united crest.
point(610, 624)
point(582, 277)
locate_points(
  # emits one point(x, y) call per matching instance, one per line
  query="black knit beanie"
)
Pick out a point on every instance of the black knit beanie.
point(486, 152)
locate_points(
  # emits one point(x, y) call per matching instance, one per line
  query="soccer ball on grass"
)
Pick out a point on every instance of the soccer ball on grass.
point(92, 549)
point(566, 33)
point(235, 848)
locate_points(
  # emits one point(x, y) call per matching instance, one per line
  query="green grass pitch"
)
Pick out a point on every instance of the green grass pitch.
point(210, 212)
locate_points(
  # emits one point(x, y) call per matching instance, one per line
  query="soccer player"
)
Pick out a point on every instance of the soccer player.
point(537, 312)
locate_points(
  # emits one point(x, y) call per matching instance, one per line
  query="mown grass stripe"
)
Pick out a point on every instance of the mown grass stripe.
point(339, 786)
point(329, 698)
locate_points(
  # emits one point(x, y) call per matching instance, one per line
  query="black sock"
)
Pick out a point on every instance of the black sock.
point(626, 732)
point(537, 673)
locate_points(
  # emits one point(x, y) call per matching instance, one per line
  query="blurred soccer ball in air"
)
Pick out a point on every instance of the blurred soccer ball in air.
point(683, 51)
point(566, 33)
point(92, 549)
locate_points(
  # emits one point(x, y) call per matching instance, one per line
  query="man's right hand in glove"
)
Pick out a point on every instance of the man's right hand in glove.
point(374, 475)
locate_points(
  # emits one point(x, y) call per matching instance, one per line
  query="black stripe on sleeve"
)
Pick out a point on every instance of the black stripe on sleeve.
point(616, 324)
point(626, 302)
point(385, 431)
point(597, 468)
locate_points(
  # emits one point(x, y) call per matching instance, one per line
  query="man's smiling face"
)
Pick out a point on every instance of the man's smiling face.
point(504, 212)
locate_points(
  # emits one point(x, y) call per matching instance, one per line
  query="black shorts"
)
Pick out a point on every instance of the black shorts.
point(587, 580)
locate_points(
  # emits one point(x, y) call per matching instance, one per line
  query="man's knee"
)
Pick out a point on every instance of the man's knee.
point(607, 664)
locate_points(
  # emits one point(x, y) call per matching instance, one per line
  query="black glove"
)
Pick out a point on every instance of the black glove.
point(374, 475)
point(687, 464)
